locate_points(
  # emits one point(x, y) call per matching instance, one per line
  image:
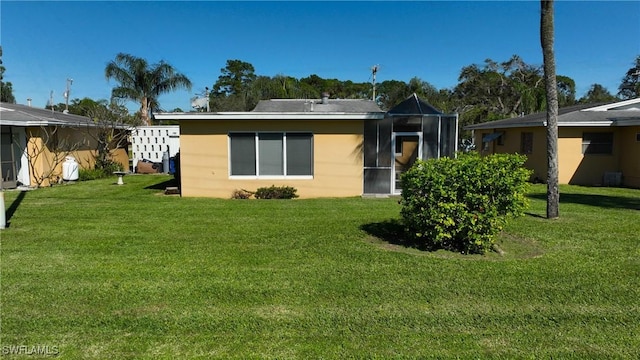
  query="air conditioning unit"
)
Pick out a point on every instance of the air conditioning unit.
point(612, 179)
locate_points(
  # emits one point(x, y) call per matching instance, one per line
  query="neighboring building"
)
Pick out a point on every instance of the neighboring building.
point(597, 145)
point(33, 140)
point(151, 142)
point(323, 148)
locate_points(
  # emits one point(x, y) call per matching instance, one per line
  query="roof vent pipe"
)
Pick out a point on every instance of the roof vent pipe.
point(325, 98)
point(29, 102)
point(308, 106)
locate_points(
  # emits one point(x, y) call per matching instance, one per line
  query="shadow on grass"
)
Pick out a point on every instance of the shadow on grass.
point(535, 215)
point(163, 185)
point(605, 201)
point(14, 206)
point(391, 232)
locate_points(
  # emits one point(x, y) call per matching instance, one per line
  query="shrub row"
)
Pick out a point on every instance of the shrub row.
point(272, 192)
point(462, 204)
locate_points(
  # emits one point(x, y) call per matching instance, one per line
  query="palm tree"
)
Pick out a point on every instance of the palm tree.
point(142, 83)
point(546, 40)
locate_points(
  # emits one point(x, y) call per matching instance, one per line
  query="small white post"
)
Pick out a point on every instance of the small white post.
point(3, 214)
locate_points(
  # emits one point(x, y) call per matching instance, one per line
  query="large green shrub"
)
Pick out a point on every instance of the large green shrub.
point(462, 204)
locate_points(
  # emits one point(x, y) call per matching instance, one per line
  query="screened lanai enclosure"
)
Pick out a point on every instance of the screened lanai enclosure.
point(411, 130)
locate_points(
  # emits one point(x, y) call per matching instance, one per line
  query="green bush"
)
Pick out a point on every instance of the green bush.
point(462, 204)
point(91, 174)
point(276, 192)
point(101, 170)
point(108, 166)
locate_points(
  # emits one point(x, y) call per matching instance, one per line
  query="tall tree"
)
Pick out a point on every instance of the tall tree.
point(235, 78)
point(108, 132)
point(551, 87)
point(143, 83)
point(501, 90)
point(597, 94)
point(391, 92)
point(566, 91)
point(6, 88)
point(231, 92)
point(630, 86)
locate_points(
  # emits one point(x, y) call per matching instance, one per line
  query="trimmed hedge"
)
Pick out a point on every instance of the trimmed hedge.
point(462, 204)
point(276, 192)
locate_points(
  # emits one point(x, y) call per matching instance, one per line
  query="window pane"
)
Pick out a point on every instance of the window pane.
point(384, 142)
point(430, 137)
point(270, 154)
point(526, 143)
point(299, 154)
point(370, 143)
point(243, 154)
point(377, 181)
point(597, 143)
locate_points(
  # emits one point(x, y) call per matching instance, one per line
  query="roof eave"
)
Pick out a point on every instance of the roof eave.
point(587, 124)
point(544, 124)
point(269, 116)
point(39, 123)
point(506, 126)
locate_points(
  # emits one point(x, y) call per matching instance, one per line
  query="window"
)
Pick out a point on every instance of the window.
point(526, 143)
point(597, 143)
point(485, 144)
point(638, 137)
point(271, 154)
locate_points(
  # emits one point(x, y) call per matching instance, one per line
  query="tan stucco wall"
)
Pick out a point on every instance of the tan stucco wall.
point(580, 169)
point(536, 161)
point(573, 166)
point(45, 162)
point(337, 153)
point(630, 157)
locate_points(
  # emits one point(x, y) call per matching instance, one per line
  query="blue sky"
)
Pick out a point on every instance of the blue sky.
point(44, 43)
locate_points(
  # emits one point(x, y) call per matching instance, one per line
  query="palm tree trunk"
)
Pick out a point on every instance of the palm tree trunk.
point(144, 111)
point(546, 40)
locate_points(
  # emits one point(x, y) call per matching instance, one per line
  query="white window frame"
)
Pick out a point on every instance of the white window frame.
point(284, 155)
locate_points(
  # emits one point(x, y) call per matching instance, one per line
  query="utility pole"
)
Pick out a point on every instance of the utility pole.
point(374, 71)
point(66, 95)
point(206, 94)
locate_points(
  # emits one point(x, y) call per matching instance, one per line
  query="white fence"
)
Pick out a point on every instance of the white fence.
point(151, 142)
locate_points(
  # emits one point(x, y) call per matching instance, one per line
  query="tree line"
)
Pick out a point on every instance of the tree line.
point(484, 92)
point(489, 91)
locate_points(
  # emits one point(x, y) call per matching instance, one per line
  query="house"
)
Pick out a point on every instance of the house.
point(597, 145)
point(322, 147)
point(35, 143)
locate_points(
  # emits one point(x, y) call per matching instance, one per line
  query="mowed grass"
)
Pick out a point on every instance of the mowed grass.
point(102, 271)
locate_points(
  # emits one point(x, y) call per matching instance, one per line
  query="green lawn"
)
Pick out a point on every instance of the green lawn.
point(101, 271)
